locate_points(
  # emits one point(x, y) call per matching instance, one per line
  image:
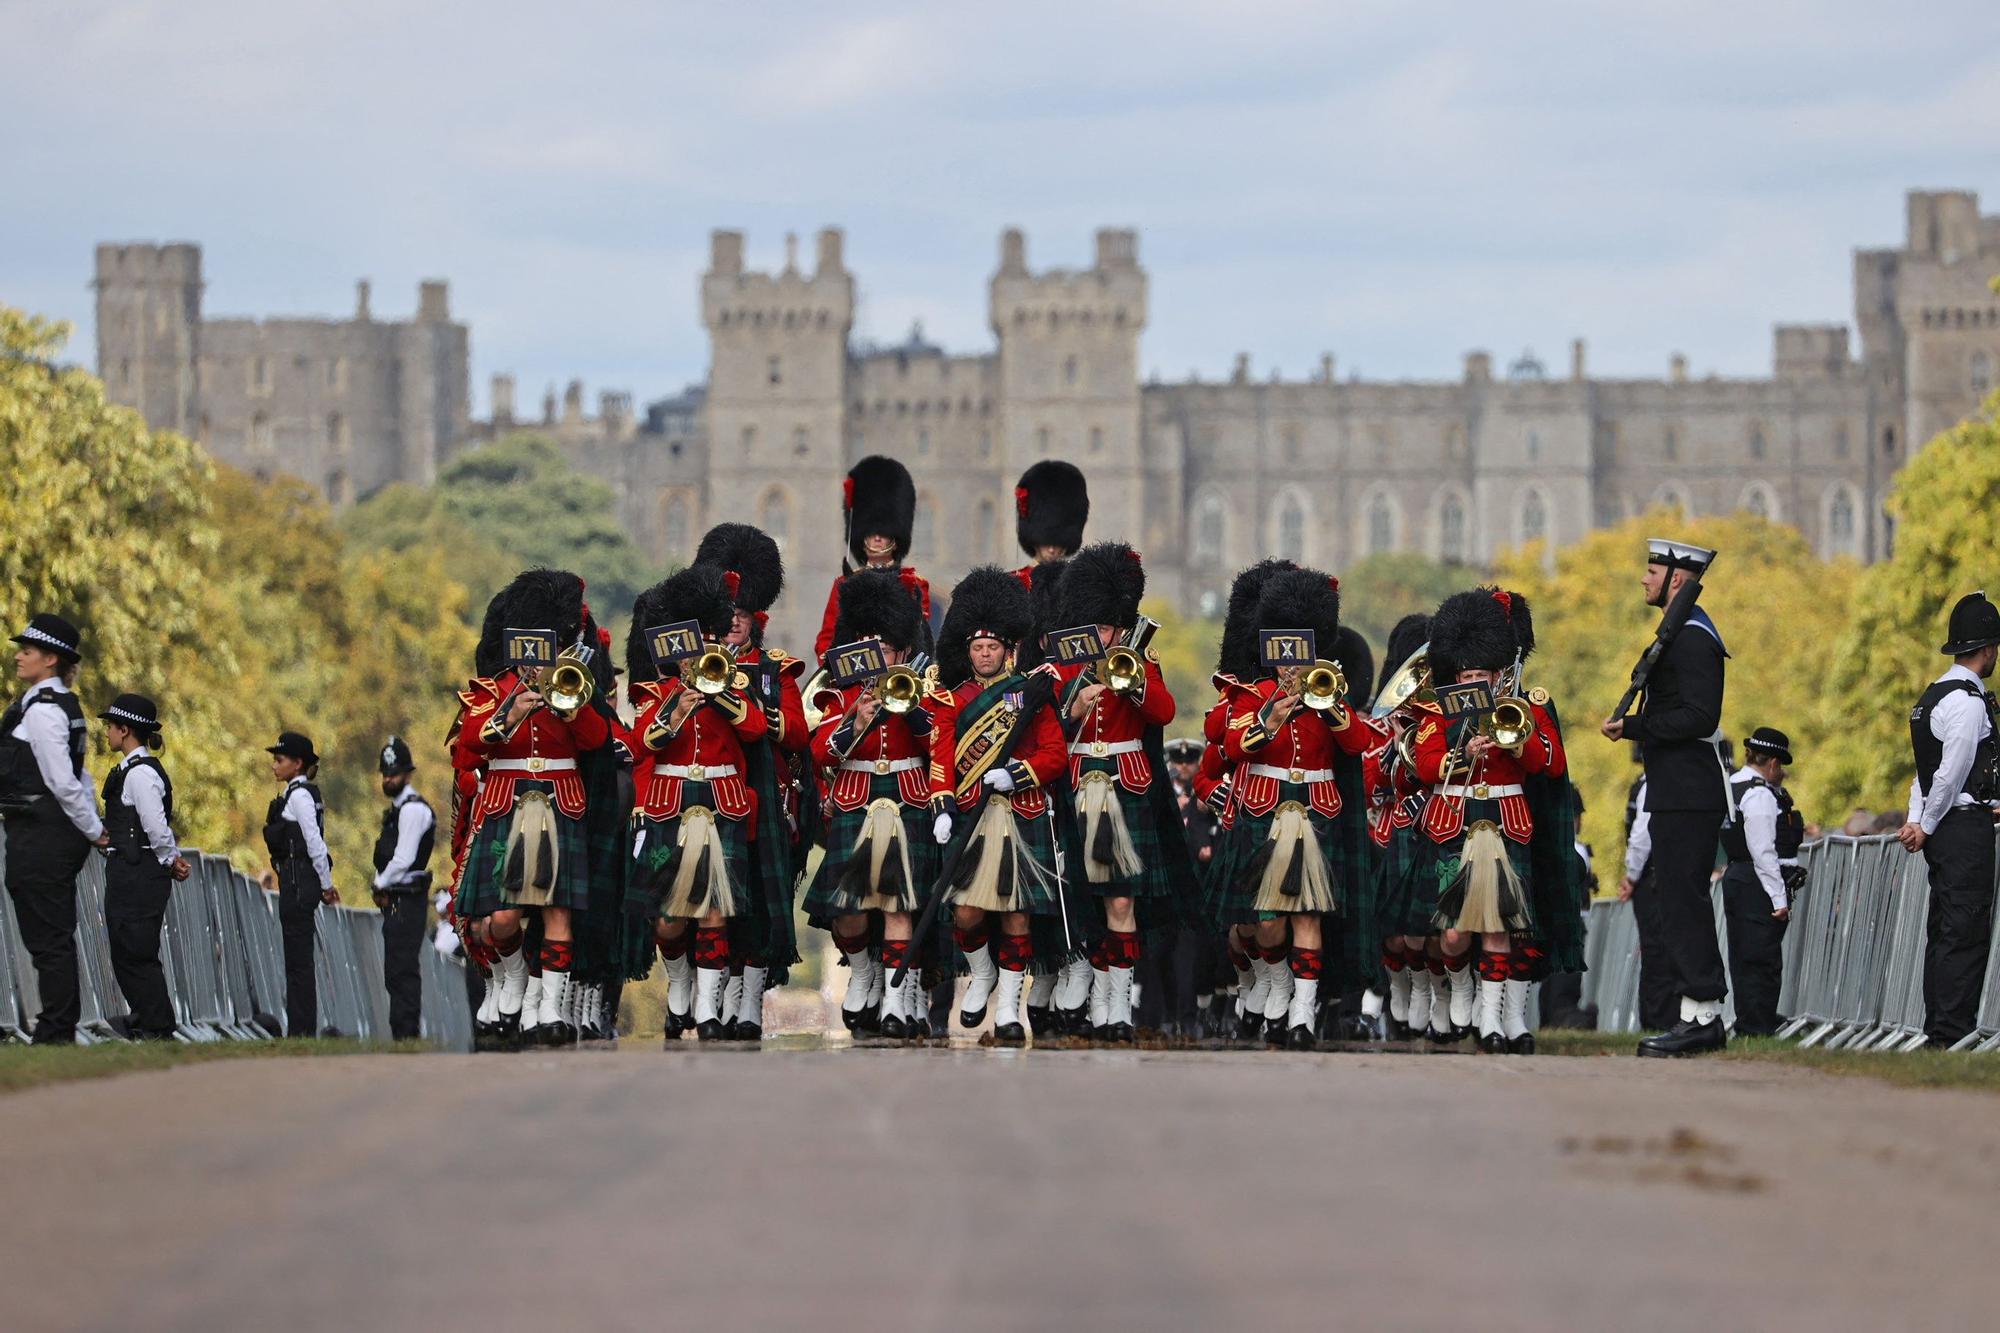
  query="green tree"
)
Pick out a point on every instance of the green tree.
point(1947, 543)
point(1378, 591)
point(1774, 601)
point(1186, 649)
point(404, 517)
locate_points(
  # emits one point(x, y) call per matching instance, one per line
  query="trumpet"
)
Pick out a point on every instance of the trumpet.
point(569, 684)
point(898, 688)
point(1323, 687)
point(1123, 668)
point(712, 672)
point(1510, 724)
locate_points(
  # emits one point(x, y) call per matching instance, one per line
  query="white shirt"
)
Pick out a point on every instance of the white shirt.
point(445, 941)
point(46, 730)
point(1639, 843)
point(299, 809)
point(413, 820)
point(1959, 721)
point(1759, 812)
point(145, 792)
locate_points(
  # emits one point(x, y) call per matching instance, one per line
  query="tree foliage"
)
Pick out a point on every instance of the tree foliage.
point(1775, 602)
point(1379, 590)
point(1186, 648)
point(1947, 544)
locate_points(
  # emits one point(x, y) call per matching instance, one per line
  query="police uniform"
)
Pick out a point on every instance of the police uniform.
point(139, 870)
point(295, 836)
point(52, 821)
point(1953, 733)
point(1762, 844)
point(402, 888)
point(1687, 799)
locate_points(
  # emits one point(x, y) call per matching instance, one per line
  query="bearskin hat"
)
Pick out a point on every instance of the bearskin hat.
point(1301, 599)
point(1410, 634)
point(1470, 632)
point(877, 604)
point(1045, 605)
point(1357, 662)
point(700, 593)
point(550, 599)
point(878, 500)
point(1103, 585)
point(749, 553)
point(987, 601)
point(1238, 656)
point(1051, 505)
point(1524, 621)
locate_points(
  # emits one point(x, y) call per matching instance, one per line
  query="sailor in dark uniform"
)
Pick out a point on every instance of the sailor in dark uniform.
point(1659, 988)
point(1687, 798)
point(295, 835)
point(402, 888)
point(1763, 846)
point(142, 864)
point(51, 815)
point(1955, 732)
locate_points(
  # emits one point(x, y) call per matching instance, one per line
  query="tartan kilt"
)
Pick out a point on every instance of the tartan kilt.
point(1432, 880)
point(824, 898)
point(1154, 879)
point(1233, 891)
point(1034, 839)
point(655, 865)
point(479, 892)
point(764, 931)
point(1408, 891)
point(1055, 941)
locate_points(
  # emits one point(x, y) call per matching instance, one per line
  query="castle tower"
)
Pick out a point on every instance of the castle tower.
point(148, 331)
point(777, 388)
point(1069, 381)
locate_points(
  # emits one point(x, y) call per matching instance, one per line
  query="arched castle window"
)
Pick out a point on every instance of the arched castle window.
point(1069, 370)
point(801, 441)
point(1210, 529)
point(1756, 441)
point(1670, 443)
point(1288, 439)
point(674, 525)
point(1840, 441)
point(1534, 447)
point(774, 370)
point(982, 531)
point(260, 431)
point(1451, 530)
point(1381, 524)
point(1670, 496)
point(1291, 529)
point(1759, 499)
point(1981, 373)
point(748, 440)
point(1841, 510)
point(774, 515)
point(923, 530)
point(1888, 439)
point(1534, 517)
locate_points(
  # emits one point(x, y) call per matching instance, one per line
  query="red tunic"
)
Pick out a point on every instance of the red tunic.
point(710, 739)
point(541, 735)
point(1305, 744)
point(1037, 761)
point(788, 730)
point(1117, 719)
point(911, 580)
point(890, 740)
point(1444, 816)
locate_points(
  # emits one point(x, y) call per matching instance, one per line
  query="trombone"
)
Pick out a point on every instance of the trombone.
point(898, 688)
point(1123, 668)
point(568, 685)
point(712, 672)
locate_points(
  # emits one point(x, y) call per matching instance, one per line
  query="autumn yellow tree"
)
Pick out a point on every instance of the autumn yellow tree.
point(1777, 605)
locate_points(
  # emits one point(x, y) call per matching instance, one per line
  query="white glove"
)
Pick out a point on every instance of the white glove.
point(941, 828)
point(999, 779)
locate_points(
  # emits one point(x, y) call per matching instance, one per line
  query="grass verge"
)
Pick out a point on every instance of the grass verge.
point(23, 1067)
point(1918, 1069)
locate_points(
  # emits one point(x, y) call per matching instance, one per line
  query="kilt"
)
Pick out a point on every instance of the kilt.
point(1033, 840)
point(763, 931)
point(1408, 890)
point(479, 892)
point(656, 863)
point(1232, 888)
point(825, 899)
point(1446, 858)
point(1154, 879)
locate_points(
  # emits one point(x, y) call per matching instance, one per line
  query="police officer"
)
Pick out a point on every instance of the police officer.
point(1952, 730)
point(1762, 843)
point(295, 834)
point(51, 814)
point(402, 887)
point(1687, 796)
point(142, 863)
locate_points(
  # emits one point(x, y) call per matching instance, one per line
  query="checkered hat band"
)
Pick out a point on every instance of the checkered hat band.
point(33, 635)
point(133, 718)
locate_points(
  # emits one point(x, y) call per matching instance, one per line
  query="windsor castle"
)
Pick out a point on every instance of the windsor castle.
point(1204, 476)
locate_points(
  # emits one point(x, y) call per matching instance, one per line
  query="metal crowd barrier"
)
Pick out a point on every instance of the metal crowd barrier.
point(1853, 957)
point(225, 966)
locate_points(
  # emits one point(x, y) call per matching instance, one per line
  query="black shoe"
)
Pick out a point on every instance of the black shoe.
point(970, 1020)
point(1686, 1038)
point(1250, 1027)
point(747, 1031)
point(1522, 1045)
point(920, 1029)
point(507, 1033)
point(1493, 1043)
point(1122, 1033)
point(1010, 1034)
point(1300, 1038)
point(558, 1034)
point(709, 1031)
point(1445, 1038)
point(893, 1028)
point(1041, 1021)
point(678, 1023)
point(1274, 1032)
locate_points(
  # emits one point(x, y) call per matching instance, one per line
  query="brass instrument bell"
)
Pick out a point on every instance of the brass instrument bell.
point(899, 688)
point(712, 672)
point(1510, 724)
point(1323, 687)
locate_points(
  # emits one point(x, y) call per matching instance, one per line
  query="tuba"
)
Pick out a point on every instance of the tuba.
point(1123, 669)
point(712, 672)
point(1410, 682)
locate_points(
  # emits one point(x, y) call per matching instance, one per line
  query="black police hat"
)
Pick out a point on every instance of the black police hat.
point(1766, 742)
point(1975, 623)
point(135, 711)
point(396, 758)
point(1185, 750)
point(54, 634)
point(294, 745)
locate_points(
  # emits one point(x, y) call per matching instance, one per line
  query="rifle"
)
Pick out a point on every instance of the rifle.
point(1033, 697)
point(1670, 627)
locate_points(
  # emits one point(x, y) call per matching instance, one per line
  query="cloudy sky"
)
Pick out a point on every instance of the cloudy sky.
point(1393, 183)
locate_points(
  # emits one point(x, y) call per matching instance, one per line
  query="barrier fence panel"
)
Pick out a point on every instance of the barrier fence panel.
point(447, 1018)
point(1617, 992)
point(100, 1000)
point(1986, 1037)
point(15, 1017)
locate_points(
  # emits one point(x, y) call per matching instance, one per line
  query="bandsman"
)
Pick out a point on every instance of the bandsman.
point(878, 512)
